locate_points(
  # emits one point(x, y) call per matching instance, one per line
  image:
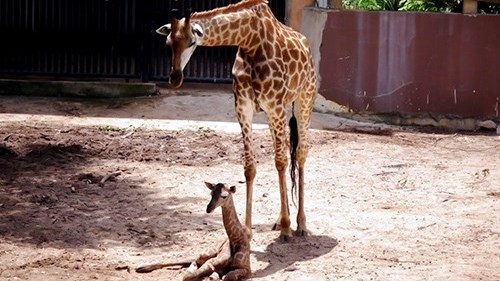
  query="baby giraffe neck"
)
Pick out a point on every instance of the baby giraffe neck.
point(233, 227)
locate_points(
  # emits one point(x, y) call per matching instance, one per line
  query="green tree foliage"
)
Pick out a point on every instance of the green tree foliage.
point(444, 6)
point(488, 8)
point(369, 5)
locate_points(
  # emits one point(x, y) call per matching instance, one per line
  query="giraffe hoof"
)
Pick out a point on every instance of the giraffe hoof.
point(302, 232)
point(286, 235)
point(214, 277)
point(192, 268)
point(249, 233)
point(276, 226)
point(285, 238)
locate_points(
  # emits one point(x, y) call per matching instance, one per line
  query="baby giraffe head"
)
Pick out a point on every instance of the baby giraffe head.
point(221, 195)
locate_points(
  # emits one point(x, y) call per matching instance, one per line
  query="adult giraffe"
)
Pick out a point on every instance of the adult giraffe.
point(273, 69)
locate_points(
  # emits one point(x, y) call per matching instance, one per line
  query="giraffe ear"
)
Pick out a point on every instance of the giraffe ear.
point(209, 185)
point(164, 30)
point(232, 189)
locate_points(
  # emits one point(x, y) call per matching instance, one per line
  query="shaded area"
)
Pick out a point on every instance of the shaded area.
point(284, 255)
point(57, 190)
point(76, 88)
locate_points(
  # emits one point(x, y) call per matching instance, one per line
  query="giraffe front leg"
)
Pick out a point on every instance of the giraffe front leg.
point(244, 112)
point(204, 271)
point(209, 253)
point(218, 263)
point(278, 132)
point(250, 172)
point(284, 218)
point(244, 97)
point(204, 257)
point(214, 277)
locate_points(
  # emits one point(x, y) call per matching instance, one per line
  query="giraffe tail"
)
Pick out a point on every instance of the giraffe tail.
point(294, 142)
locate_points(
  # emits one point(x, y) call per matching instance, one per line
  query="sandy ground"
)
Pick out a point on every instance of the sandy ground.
point(382, 202)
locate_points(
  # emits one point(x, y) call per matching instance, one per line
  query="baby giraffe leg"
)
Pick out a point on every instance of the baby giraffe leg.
point(215, 264)
point(237, 274)
point(210, 253)
point(214, 277)
point(211, 266)
point(240, 267)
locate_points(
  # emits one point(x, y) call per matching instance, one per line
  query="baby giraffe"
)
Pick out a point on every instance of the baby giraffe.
point(231, 258)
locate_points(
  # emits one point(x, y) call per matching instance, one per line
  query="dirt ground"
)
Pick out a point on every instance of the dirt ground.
point(89, 186)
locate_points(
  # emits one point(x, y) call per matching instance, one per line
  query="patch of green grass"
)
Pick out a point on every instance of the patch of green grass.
point(202, 131)
point(109, 128)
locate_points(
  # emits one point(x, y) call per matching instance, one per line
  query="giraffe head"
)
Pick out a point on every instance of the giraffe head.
point(182, 36)
point(221, 194)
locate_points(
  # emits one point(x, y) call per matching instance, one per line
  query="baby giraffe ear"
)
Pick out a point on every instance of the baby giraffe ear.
point(209, 185)
point(232, 189)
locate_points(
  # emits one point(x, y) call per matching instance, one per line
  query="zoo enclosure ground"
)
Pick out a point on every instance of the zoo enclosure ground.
point(383, 202)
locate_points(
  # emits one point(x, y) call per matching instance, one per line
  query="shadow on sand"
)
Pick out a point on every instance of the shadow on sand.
point(280, 255)
point(57, 193)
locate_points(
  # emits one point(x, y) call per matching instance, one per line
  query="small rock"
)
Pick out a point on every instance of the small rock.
point(488, 124)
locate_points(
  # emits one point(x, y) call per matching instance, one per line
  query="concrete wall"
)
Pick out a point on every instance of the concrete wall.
point(407, 63)
point(294, 12)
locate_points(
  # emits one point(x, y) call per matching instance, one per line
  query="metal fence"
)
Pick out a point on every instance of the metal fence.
point(99, 39)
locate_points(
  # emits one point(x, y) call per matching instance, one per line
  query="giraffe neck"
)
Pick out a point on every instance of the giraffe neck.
point(235, 25)
point(234, 229)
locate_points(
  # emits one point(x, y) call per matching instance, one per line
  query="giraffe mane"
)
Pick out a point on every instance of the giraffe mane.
point(228, 9)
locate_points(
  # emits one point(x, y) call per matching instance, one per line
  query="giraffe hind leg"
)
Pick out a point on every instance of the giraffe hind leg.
point(240, 267)
point(301, 216)
point(302, 111)
point(236, 274)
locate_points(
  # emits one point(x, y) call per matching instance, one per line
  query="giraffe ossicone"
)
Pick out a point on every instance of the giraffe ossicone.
point(273, 69)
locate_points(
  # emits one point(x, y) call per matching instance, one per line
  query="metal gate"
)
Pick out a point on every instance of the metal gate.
point(101, 39)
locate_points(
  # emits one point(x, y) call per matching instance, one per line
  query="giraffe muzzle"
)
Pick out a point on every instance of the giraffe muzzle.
point(210, 207)
point(175, 79)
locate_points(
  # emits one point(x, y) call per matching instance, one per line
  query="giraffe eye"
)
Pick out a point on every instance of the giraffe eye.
point(197, 30)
